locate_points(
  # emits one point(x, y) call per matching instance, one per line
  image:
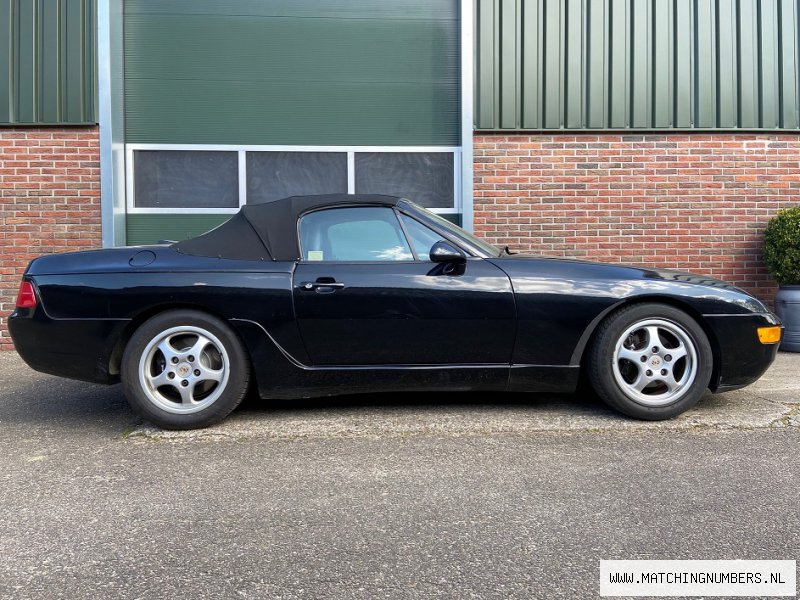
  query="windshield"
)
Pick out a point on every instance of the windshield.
point(458, 233)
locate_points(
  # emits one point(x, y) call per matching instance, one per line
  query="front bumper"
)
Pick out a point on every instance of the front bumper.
point(741, 358)
point(73, 348)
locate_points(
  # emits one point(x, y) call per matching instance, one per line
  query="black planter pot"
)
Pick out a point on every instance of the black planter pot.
point(787, 306)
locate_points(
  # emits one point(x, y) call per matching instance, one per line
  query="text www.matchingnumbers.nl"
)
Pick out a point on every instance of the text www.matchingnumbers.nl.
point(718, 578)
point(750, 578)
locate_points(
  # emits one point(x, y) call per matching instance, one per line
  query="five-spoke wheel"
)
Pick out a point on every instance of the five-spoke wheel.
point(184, 369)
point(650, 361)
point(655, 361)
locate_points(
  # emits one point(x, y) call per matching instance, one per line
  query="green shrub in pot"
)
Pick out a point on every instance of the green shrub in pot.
point(782, 256)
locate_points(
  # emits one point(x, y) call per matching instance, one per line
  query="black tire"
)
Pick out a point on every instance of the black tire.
point(214, 382)
point(616, 386)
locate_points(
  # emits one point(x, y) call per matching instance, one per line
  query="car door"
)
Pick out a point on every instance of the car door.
point(362, 296)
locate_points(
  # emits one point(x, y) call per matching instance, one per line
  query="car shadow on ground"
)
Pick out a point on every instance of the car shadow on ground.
point(41, 402)
point(60, 404)
point(421, 401)
point(30, 399)
point(33, 402)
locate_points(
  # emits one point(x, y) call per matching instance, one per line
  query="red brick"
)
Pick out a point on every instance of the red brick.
point(41, 171)
point(696, 202)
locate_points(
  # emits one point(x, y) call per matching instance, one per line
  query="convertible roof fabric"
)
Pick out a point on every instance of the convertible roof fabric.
point(268, 231)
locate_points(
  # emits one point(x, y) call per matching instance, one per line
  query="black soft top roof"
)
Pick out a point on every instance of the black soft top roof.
point(268, 231)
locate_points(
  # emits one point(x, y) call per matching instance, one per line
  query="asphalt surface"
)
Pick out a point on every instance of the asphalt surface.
point(383, 496)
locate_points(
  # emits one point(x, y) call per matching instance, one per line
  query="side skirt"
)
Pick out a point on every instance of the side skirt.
point(558, 379)
point(280, 376)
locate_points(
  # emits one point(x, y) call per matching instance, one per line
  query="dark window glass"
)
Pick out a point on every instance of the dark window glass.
point(422, 238)
point(185, 179)
point(463, 235)
point(353, 234)
point(275, 175)
point(423, 177)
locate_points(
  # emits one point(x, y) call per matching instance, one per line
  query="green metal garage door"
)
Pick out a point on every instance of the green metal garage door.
point(244, 82)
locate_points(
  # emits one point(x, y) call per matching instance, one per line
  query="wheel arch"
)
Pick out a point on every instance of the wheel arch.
point(589, 335)
point(124, 336)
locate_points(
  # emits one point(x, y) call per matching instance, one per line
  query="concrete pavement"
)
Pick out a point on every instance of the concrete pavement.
point(383, 496)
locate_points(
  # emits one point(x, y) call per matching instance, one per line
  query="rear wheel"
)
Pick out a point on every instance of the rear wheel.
point(184, 369)
point(650, 361)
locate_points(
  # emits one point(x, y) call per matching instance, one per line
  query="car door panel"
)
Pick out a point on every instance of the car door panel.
point(404, 313)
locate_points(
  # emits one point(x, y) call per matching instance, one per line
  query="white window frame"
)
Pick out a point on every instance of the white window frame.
point(242, 171)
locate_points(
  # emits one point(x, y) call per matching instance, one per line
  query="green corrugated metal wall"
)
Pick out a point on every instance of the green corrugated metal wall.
point(48, 72)
point(340, 72)
point(640, 64)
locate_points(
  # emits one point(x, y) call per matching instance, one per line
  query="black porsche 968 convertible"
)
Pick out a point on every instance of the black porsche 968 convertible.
point(340, 294)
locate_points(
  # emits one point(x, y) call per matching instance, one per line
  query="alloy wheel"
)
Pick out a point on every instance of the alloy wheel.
point(184, 369)
point(655, 362)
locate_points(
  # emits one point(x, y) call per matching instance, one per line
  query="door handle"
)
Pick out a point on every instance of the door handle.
point(312, 286)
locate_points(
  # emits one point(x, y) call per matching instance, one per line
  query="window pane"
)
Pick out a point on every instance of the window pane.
point(276, 175)
point(423, 177)
point(353, 234)
point(422, 238)
point(185, 179)
point(463, 235)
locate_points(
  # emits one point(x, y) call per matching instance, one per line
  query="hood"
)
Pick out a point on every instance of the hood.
point(620, 280)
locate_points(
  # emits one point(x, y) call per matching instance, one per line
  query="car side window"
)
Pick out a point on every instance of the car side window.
point(422, 238)
point(367, 233)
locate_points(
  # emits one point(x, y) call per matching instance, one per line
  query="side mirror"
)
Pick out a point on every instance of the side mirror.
point(445, 252)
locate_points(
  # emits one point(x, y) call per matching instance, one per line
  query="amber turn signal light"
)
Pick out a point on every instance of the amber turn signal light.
point(769, 335)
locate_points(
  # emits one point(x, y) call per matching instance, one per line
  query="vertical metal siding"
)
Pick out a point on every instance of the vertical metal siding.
point(48, 62)
point(637, 64)
point(789, 107)
point(355, 72)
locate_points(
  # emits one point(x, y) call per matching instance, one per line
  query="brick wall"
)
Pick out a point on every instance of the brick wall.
point(694, 202)
point(49, 201)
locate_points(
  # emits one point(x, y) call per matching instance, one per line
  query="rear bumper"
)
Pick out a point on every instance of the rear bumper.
point(741, 359)
point(73, 348)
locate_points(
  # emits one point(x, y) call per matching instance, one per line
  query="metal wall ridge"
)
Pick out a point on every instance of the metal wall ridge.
point(637, 64)
point(48, 71)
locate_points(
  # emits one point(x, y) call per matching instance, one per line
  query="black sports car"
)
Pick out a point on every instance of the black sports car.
point(340, 294)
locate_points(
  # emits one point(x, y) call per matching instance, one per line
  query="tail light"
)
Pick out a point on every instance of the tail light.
point(26, 298)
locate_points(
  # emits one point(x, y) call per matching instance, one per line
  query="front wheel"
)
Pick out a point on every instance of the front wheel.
point(650, 361)
point(184, 369)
